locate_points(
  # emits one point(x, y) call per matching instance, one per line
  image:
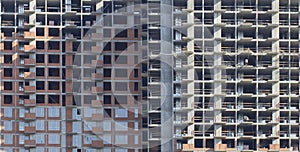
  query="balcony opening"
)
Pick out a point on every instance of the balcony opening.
point(87, 59)
point(40, 98)
point(121, 73)
point(107, 33)
point(283, 105)
point(88, 20)
point(249, 145)
point(53, 99)
point(208, 18)
point(8, 59)
point(180, 4)
point(121, 86)
point(121, 33)
point(247, 61)
point(87, 9)
point(107, 46)
point(294, 89)
point(7, 45)
point(40, 19)
point(7, 85)
point(8, 6)
point(107, 113)
point(40, 45)
point(53, 6)
point(53, 45)
point(251, 89)
point(88, 99)
point(76, 73)
point(88, 72)
point(52, 85)
point(40, 58)
point(87, 46)
point(199, 143)
point(209, 143)
point(40, 72)
point(76, 100)
point(107, 20)
point(120, 100)
point(198, 74)
point(107, 86)
point(208, 74)
point(121, 59)
point(40, 32)
point(53, 72)
point(53, 20)
point(118, 19)
point(107, 59)
point(8, 20)
point(40, 85)
point(88, 86)
point(119, 6)
point(40, 6)
point(228, 33)
point(154, 35)
point(76, 87)
point(76, 47)
point(107, 7)
point(73, 33)
point(294, 34)
point(121, 46)
point(7, 32)
point(294, 76)
point(283, 61)
point(53, 32)
point(107, 73)
point(7, 72)
point(107, 99)
point(7, 99)
point(53, 58)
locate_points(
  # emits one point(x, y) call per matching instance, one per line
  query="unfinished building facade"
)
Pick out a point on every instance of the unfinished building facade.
point(212, 75)
point(69, 80)
point(234, 80)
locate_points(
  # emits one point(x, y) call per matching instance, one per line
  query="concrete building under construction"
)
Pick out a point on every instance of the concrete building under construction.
point(229, 68)
point(149, 75)
point(66, 83)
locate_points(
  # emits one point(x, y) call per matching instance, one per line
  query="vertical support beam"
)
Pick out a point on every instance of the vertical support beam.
point(217, 74)
point(166, 76)
point(275, 72)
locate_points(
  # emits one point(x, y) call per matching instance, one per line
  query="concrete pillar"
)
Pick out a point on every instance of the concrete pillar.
point(166, 77)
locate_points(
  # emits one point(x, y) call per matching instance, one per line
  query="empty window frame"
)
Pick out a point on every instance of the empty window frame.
point(120, 59)
point(121, 73)
point(53, 58)
point(53, 72)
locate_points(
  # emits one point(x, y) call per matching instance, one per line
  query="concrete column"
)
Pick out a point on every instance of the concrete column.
point(166, 77)
point(275, 72)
